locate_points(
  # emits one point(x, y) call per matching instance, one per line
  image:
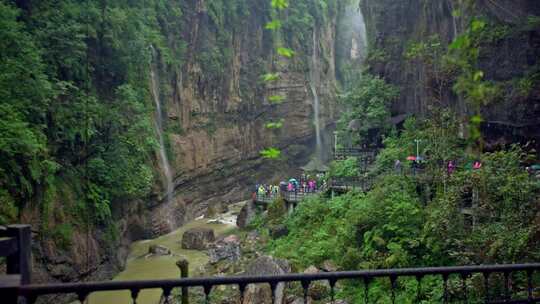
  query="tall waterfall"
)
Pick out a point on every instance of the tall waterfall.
point(169, 186)
point(314, 81)
point(358, 34)
point(361, 24)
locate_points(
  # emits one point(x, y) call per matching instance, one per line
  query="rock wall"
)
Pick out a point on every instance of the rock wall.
point(394, 25)
point(217, 108)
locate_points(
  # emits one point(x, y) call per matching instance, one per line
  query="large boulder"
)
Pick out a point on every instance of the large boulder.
point(246, 215)
point(318, 289)
point(198, 238)
point(261, 293)
point(159, 250)
point(226, 249)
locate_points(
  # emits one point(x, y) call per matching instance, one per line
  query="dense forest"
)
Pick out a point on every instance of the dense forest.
point(114, 114)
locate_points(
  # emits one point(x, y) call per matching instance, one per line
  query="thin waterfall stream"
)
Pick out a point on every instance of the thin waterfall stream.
point(314, 81)
point(169, 186)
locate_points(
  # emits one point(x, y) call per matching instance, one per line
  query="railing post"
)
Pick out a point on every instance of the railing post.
point(9, 288)
point(19, 262)
point(183, 265)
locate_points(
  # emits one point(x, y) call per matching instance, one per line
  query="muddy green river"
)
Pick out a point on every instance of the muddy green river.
point(139, 266)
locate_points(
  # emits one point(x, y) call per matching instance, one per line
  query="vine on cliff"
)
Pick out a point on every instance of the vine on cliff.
point(275, 25)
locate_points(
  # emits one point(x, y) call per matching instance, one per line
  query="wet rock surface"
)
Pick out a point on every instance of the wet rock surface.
point(197, 238)
point(159, 250)
point(247, 214)
point(262, 294)
point(225, 249)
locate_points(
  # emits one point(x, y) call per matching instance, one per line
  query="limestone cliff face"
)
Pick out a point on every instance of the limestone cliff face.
point(214, 111)
point(394, 25)
point(217, 106)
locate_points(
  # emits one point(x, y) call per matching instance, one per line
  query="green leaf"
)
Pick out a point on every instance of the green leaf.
point(477, 25)
point(476, 119)
point(285, 52)
point(280, 4)
point(478, 75)
point(273, 25)
point(276, 99)
point(271, 153)
point(275, 125)
point(270, 77)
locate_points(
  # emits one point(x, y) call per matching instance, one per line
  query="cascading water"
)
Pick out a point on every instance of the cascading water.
point(360, 23)
point(314, 81)
point(351, 53)
point(169, 186)
point(355, 32)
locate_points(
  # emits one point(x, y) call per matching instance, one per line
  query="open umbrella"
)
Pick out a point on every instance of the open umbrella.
point(411, 158)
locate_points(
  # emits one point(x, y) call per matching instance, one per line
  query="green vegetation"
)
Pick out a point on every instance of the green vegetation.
point(292, 25)
point(397, 225)
point(345, 168)
point(367, 105)
point(76, 130)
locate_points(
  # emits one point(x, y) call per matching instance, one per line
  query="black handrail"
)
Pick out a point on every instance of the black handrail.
point(15, 246)
point(12, 287)
point(31, 292)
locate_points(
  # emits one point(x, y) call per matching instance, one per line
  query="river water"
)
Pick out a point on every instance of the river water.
point(141, 267)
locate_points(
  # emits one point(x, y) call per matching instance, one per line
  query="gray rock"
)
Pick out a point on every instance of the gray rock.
point(279, 231)
point(318, 289)
point(259, 293)
point(225, 249)
point(198, 238)
point(329, 266)
point(246, 215)
point(159, 250)
point(311, 270)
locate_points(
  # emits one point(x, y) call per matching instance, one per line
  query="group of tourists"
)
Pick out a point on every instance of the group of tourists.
point(263, 190)
point(304, 184)
point(451, 167)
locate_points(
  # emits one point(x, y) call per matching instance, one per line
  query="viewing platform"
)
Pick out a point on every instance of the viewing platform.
point(344, 184)
point(287, 196)
point(362, 154)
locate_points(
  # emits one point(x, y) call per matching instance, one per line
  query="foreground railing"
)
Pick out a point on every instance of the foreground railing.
point(468, 284)
point(510, 292)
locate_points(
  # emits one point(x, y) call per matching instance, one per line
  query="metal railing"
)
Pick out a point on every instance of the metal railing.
point(289, 196)
point(517, 282)
point(15, 246)
point(298, 196)
point(509, 293)
point(351, 183)
point(267, 198)
point(363, 153)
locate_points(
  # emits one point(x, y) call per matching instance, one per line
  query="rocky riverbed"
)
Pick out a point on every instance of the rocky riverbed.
point(156, 258)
